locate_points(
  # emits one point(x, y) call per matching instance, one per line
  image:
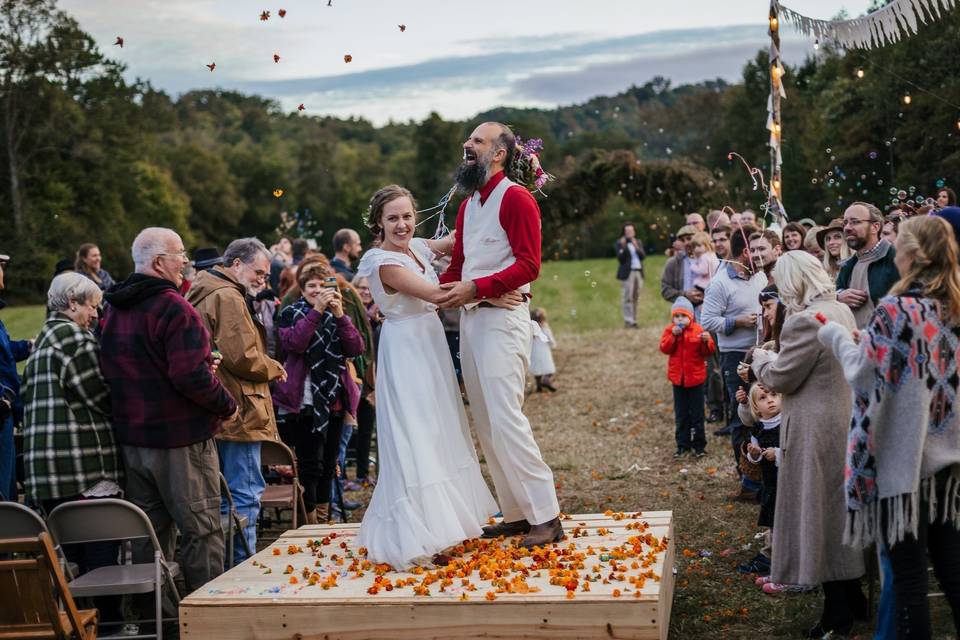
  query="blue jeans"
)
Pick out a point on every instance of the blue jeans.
point(240, 463)
point(8, 462)
point(336, 486)
point(886, 628)
point(728, 365)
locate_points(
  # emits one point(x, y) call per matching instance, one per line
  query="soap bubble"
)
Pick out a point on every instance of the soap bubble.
point(887, 143)
point(833, 157)
point(879, 183)
point(593, 284)
point(621, 214)
point(829, 150)
point(826, 209)
point(911, 189)
point(919, 200)
point(669, 151)
point(893, 191)
point(901, 195)
point(940, 183)
point(863, 176)
point(573, 313)
point(555, 278)
point(586, 274)
point(813, 181)
point(872, 155)
point(895, 201)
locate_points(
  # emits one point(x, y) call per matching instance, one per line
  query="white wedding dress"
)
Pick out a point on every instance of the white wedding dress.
point(430, 494)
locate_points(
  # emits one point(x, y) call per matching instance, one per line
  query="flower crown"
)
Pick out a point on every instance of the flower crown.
point(526, 167)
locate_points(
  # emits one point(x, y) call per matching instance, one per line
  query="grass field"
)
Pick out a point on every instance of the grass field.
point(608, 435)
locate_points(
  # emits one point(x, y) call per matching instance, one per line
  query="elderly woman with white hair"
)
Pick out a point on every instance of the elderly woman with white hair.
point(69, 450)
point(817, 406)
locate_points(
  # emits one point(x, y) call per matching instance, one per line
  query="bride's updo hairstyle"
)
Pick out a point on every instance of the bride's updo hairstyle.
point(380, 199)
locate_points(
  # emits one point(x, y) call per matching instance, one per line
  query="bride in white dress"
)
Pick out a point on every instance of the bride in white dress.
point(430, 494)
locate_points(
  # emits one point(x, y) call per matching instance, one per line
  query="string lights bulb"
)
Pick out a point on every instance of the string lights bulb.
point(860, 73)
point(907, 99)
point(776, 129)
point(774, 23)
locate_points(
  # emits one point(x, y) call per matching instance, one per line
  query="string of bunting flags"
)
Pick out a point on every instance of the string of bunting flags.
point(895, 21)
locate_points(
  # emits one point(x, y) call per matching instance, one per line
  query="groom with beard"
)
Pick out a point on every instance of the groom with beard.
point(497, 250)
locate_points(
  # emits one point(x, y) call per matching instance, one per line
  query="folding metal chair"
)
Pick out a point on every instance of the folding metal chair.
point(20, 521)
point(282, 496)
point(232, 523)
point(109, 519)
point(30, 592)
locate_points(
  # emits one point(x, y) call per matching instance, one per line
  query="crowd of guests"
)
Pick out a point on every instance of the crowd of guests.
point(835, 350)
point(149, 388)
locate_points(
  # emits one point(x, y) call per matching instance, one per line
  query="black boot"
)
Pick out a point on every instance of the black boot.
point(539, 380)
point(547, 382)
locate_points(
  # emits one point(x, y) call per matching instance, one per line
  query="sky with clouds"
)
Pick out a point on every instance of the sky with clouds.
point(453, 57)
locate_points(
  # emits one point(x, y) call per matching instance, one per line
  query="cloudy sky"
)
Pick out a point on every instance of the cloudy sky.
point(453, 57)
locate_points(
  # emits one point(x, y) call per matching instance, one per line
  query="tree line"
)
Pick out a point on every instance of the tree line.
point(88, 155)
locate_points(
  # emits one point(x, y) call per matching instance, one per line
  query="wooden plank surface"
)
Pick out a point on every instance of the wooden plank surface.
point(278, 593)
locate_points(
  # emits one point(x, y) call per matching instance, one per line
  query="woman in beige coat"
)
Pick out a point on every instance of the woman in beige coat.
point(817, 407)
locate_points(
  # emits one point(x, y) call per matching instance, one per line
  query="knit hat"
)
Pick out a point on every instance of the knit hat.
point(951, 215)
point(682, 305)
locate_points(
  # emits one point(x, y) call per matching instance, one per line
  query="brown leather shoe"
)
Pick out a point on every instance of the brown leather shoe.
point(507, 529)
point(742, 496)
point(543, 534)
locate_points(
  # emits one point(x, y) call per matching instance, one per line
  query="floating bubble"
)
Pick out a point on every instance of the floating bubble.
point(826, 209)
point(893, 191)
point(829, 173)
point(919, 200)
point(895, 201)
point(929, 201)
point(864, 192)
point(872, 155)
point(829, 150)
point(586, 274)
point(879, 182)
point(901, 195)
point(813, 181)
point(573, 313)
point(623, 185)
point(911, 189)
point(887, 143)
point(621, 214)
point(669, 151)
point(830, 182)
point(940, 183)
point(593, 284)
point(833, 157)
point(556, 277)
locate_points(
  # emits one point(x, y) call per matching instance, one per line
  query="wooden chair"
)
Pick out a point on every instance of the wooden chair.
point(29, 593)
point(282, 496)
point(19, 521)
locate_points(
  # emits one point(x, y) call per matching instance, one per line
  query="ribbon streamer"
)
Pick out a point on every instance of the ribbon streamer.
point(897, 20)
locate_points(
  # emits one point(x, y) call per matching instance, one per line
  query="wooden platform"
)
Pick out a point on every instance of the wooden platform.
point(491, 590)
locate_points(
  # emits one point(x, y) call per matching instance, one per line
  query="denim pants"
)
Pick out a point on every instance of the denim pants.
point(728, 365)
point(886, 628)
point(240, 462)
point(688, 416)
point(336, 486)
point(8, 462)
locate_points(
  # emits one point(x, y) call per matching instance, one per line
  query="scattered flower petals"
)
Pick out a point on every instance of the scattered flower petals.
point(212, 66)
point(348, 58)
point(403, 27)
point(119, 42)
point(264, 16)
point(282, 13)
point(300, 107)
point(276, 57)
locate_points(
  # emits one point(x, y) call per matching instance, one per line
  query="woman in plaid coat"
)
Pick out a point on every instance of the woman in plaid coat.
point(69, 450)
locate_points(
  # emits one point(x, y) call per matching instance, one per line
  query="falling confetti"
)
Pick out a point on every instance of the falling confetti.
point(277, 193)
point(300, 107)
point(348, 58)
point(212, 66)
point(282, 13)
point(276, 57)
point(119, 42)
point(264, 16)
point(403, 27)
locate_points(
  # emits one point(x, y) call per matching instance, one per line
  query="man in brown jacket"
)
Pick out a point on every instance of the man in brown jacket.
point(221, 296)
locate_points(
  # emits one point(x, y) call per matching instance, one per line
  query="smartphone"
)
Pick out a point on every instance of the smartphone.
point(330, 282)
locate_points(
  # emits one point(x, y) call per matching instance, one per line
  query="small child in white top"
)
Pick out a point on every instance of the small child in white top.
point(542, 367)
point(705, 261)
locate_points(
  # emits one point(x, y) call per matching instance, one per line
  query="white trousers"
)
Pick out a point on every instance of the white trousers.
point(630, 294)
point(494, 355)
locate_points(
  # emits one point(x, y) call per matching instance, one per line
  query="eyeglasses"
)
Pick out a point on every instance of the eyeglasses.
point(179, 254)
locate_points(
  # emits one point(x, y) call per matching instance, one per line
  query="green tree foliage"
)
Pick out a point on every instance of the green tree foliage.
point(86, 155)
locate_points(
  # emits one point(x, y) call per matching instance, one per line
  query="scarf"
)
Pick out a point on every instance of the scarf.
point(324, 359)
point(772, 423)
point(903, 410)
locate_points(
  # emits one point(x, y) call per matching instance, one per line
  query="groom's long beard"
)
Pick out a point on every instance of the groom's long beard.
point(470, 177)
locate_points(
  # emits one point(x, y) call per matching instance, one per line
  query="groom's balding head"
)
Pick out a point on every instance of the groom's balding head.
point(498, 137)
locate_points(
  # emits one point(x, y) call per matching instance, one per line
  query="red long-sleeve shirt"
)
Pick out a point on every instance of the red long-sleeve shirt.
point(520, 218)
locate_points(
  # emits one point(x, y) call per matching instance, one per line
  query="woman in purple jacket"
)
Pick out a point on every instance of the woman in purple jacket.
point(317, 338)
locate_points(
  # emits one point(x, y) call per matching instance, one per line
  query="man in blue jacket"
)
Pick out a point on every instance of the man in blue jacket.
point(11, 352)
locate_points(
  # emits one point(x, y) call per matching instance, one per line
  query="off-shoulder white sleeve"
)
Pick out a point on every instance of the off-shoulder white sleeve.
point(375, 258)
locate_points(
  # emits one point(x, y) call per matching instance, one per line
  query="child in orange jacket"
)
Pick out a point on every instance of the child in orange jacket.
point(688, 346)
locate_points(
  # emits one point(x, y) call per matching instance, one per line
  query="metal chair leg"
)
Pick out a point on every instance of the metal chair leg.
point(243, 538)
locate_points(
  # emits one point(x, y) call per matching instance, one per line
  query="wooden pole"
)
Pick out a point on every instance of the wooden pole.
point(775, 197)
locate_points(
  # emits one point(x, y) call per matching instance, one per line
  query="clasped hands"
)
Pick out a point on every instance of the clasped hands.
point(755, 451)
point(464, 292)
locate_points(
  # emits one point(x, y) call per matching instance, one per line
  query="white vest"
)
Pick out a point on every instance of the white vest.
point(486, 248)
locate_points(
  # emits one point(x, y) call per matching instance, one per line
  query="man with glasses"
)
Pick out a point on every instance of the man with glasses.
point(166, 406)
point(870, 273)
point(222, 298)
